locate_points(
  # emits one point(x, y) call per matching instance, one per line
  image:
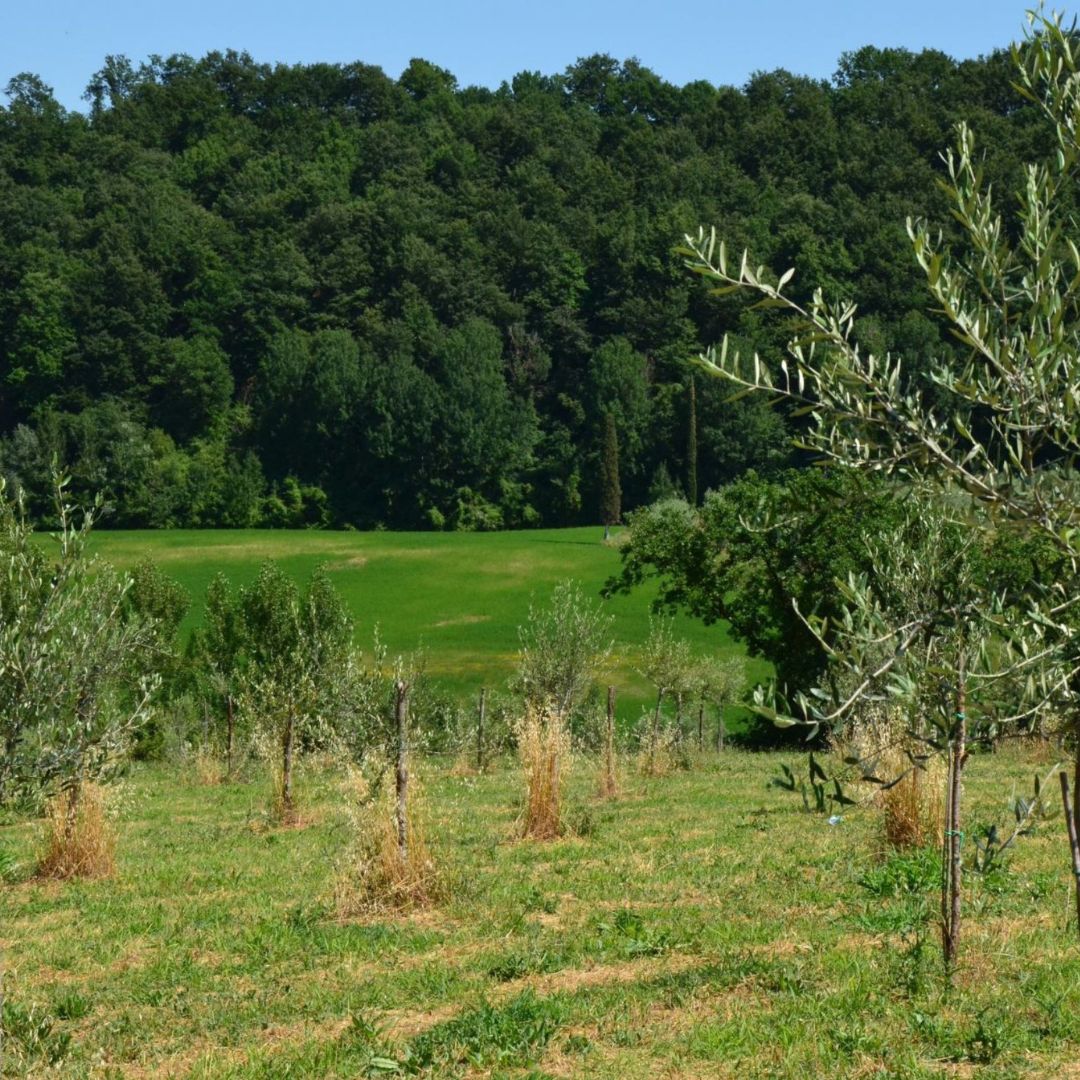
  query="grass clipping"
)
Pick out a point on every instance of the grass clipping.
point(543, 746)
point(79, 838)
point(378, 873)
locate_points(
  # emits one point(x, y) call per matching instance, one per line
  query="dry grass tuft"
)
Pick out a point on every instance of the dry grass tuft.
point(543, 746)
point(608, 786)
point(377, 875)
point(913, 810)
point(79, 839)
point(660, 755)
point(207, 768)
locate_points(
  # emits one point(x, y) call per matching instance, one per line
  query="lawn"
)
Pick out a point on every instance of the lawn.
point(459, 596)
point(703, 925)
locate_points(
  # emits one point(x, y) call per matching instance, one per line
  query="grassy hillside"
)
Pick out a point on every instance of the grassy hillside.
point(702, 926)
point(460, 596)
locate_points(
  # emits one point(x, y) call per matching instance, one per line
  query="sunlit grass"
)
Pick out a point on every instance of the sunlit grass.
point(458, 596)
point(701, 925)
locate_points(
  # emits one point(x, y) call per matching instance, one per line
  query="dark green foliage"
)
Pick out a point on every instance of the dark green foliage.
point(762, 554)
point(753, 548)
point(240, 294)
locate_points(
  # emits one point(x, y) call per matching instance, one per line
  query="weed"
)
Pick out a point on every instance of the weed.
point(628, 935)
point(30, 1037)
point(913, 809)
point(207, 769)
point(514, 1034)
point(530, 961)
point(904, 874)
point(71, 1005)
point(10, 867)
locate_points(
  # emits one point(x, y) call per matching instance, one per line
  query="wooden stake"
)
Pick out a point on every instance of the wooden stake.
point(610, 786)
point(951, 892)
point(1074, 844)
point(480, 730)
point(401, 715)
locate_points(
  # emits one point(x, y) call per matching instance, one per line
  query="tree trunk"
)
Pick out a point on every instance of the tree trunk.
point(287, 740)
point(655, 737)
point(401, 715)
point(678, 719)
point(610, 785)
point(1070, 825)
point(720, 730)
point(230, 728)
point(71, 813)
point(607, 533)
point(701, 725)
point(480, 730)
point(951, 892)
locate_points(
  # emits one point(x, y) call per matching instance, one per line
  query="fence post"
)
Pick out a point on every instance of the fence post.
point(401, 715)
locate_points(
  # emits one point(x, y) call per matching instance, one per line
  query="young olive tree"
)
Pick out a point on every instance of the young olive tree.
point(915, 633)
point(1003, 421)
point(717, 682)
point(563, 647)
point(221, 648)
point(78, 667)
point(666, 663)
point(301, 669)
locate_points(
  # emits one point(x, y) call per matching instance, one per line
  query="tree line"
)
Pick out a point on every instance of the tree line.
point(236, 294)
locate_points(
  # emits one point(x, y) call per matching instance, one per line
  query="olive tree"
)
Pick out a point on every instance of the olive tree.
point(300, 667)
point(667, 664)
point(563, 647)
point(78, 666)
point(1002, 422)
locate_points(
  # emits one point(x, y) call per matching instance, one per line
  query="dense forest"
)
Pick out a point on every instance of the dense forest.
point(235, 294)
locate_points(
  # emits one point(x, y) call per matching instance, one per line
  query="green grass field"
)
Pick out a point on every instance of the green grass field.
point(703, 925)
point(459, 596)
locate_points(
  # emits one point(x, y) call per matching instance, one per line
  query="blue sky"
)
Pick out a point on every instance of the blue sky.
point(486, 41)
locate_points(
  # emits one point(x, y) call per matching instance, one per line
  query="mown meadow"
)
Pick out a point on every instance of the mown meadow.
point(703, 924)
point(459, 598)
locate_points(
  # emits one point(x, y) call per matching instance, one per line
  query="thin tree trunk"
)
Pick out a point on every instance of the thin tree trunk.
point(287, 766)
point(953, 866)
point(610, 785)
point(230, 728)
point(480, 730)
point(720, 730)
point(678, 718)
point(701, 726)
point(71, 812)
point(401, 715)
point(655, 739)
point(1070, 825)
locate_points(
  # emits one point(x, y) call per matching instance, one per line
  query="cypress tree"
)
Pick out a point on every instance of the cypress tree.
point(610, 491)
point(691, 448)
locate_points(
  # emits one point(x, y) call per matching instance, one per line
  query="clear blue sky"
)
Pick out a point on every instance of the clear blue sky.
point(485, 41)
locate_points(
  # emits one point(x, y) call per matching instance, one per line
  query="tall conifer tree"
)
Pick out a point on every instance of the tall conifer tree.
point(610, 490)
point(691, 448)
